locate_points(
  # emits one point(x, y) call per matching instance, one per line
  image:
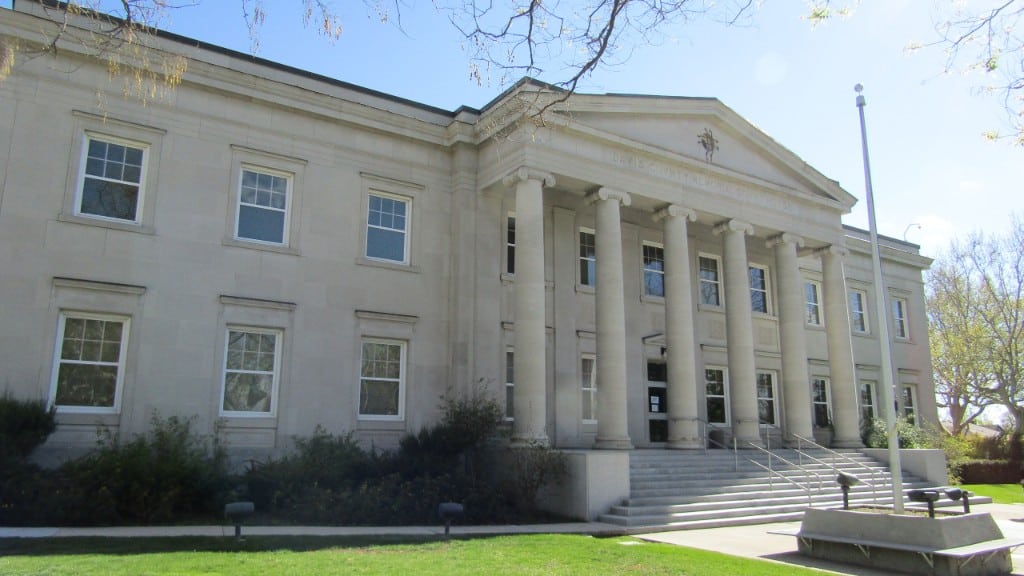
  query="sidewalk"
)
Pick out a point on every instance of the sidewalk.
point(748, 541)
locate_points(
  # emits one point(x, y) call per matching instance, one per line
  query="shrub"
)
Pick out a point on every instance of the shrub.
point(875, 434)
point(24, 425)
point(990, 472)
point(531, 468)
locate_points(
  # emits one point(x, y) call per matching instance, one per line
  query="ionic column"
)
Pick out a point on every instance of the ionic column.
point(683, 431)
point(530, 360)
point(739, 325)
point(795, 398)
point(612, 431)
point(842, 373)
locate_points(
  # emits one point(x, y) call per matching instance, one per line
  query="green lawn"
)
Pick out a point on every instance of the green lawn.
point(1001, 493)
point(265, 556)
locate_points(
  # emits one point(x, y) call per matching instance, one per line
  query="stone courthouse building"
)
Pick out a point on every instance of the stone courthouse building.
point(273, 250)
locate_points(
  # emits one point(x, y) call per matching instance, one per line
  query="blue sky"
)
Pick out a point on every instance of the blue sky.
point(930, 164)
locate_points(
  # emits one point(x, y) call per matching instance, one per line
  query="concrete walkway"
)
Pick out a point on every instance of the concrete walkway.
point(748, 541)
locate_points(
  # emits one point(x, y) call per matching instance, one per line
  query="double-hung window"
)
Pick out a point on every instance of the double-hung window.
point(382, 379)
point(910, 404)
point(387, 228)
point(510, 383)
point(710, 282)
point(899, 318)
point(766, 410)
point(510, 244)
point(588, 388)
point(112, 179)
point(867, 401)
point(89, 362)
point(588, 258)
point(715, 395)
point(820, 408)
point(758, 289)
point(654, 269)
point(858, 311)
point(251, 367)
point(263, 204)
point(812, 303)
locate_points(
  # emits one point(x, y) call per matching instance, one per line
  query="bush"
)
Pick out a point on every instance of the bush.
point(875, 434)
point(990, 472)
point(24, 425)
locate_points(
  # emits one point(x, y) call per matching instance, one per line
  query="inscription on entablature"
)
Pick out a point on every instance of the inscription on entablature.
point(696, 180)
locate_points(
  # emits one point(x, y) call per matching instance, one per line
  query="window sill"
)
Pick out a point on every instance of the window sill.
point(764, 316)
point(363, 261)
point(710, 308)
point(238, 243)
point(382, 423)
point(101, 223)
point(815, 327)
point(648, 299)
point(79, 418)
point(585, 289)
point(229, 420)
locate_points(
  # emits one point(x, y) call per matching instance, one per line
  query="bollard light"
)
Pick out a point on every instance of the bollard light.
point(237, 512)
point(845, 481)
point(449, 511)
point(956, 494)
point(929, 496)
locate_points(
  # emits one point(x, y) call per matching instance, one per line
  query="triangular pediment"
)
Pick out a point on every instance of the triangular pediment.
point(688, 127)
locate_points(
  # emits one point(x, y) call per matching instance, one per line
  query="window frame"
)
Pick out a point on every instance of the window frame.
point(724, 396)
point(591, 281)
point(510, 243)
point(827, 385)
point(872, 394)
point(62, 318)
point(909, 413)
point(862, 313)
point(406, 231)
point(900, 325)
point(812, 307)
point(275, 383)
point(652, 271)
point(88, 136)
point(716, 283)
point(402, 379)
point(257, 169)
point(766, 278)
point(774, 398)
point(591, 390)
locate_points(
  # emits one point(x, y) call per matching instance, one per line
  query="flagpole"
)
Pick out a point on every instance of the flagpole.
point(886, 392)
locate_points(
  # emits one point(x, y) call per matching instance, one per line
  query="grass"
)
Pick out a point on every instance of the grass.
point(1000, 493)
point(260, 556)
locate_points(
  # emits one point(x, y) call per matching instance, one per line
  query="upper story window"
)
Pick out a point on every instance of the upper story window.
point(710, 283)
point(654, 269)
point(89, 362)
point(112, 179)
point(858, 311)
point(263, 206)
point(387, 228)
point(812, 301)
point(588, 258)
point(251, 367)
point(759, 289)
point(510, 244)
point(899, 318)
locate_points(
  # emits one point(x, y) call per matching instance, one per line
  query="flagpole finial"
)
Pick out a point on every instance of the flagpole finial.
point(858, 88)
point(860, 97)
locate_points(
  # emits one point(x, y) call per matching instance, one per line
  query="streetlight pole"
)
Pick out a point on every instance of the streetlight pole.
point(886, 392)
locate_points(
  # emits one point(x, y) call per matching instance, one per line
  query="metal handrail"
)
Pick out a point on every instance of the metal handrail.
point(706, 439)
point(781, 459)
point(873, 472)
point(872, 485)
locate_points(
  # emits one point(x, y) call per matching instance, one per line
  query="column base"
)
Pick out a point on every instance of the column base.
point(685, 444)
point(847, 443)
point(619, 443)
point(529, 441)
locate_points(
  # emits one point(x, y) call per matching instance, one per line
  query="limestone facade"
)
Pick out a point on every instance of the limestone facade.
point(274, 251)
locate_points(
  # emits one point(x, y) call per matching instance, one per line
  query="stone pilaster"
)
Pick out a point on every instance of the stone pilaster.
point(612, 430)
point(842, 372)
point(795, 398)
point(530, 360)
point(683, 429)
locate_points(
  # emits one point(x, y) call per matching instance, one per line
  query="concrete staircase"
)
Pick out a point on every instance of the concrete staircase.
point(677, 490)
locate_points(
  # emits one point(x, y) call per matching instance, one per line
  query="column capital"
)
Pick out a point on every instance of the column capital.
point(675, 211)
point(524, 173)
point(605, 193)
point(785, 238)
point(833, 250)
point(734, 226)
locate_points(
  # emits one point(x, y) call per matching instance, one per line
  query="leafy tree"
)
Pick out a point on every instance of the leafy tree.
point(978, 337)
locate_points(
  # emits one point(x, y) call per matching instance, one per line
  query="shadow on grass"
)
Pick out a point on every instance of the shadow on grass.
point(227, 544)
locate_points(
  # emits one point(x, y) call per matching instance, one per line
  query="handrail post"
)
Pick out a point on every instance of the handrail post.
point(735, 456)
